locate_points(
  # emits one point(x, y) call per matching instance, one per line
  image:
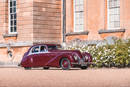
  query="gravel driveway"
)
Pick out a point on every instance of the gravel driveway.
point(18, 77)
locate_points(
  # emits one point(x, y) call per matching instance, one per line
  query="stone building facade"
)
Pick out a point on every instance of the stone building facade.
point(97, 19)
point(27, 22)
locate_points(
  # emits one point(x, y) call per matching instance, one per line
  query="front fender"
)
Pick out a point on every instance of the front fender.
point(56, 61)
point(70, 57)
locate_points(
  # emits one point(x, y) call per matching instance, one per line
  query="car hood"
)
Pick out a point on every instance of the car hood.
point(68, 51)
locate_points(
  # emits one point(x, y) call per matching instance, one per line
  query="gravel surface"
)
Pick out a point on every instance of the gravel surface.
point(18, 77)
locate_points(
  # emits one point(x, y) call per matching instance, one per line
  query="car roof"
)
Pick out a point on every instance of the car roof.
point(44, 44)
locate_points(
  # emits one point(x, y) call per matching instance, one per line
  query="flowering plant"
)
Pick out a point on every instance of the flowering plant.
point(116, 54)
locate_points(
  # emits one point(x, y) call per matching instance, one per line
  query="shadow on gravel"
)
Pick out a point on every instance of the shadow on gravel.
point(54, 69)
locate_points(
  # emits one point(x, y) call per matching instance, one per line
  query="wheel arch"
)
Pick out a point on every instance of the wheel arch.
point(68, 57)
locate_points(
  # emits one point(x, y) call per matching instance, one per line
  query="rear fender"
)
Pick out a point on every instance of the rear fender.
point(26, 62)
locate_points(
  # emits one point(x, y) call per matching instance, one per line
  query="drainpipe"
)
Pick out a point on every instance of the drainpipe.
point(64, 21)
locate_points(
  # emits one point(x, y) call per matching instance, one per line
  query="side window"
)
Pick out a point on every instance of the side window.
point(43, 49)
point(13, 16)
point(35, 49)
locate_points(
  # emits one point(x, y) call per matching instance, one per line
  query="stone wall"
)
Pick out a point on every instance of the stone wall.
point(3, 18)
point(37, 20)
point(17, 54)
point(25, 20)
point(20, 42)
point(47, 20)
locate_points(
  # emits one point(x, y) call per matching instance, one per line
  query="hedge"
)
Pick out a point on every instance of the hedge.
point(116, 54)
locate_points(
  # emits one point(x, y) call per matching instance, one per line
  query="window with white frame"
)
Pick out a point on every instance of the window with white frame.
point(12, 16)
point(113, 14)
point(78, 15)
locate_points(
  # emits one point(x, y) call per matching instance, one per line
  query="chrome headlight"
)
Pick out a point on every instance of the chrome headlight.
point(86, 57)
point(76, 57)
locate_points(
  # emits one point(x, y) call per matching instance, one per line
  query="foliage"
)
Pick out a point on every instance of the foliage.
point(106, 55)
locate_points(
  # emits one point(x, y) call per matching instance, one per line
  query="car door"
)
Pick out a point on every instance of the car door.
point(44, 55)
point(53, 55)
point(34, 59)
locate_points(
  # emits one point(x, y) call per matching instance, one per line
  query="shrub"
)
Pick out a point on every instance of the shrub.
point(105, 55)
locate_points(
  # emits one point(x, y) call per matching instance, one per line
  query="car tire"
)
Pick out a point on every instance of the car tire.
point(46, 68)
point(27, 68)
point(65, 64)
point(83, 67)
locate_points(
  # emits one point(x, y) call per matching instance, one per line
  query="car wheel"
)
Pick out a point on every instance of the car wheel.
point(83, 67)
point(27, 68)
point(45, 67)
point(65, 64)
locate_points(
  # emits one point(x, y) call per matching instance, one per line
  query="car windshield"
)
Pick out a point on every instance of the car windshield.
point(54, 47)
point(35, 49)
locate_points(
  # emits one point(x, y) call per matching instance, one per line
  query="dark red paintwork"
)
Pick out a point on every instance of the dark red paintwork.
point(52, 57)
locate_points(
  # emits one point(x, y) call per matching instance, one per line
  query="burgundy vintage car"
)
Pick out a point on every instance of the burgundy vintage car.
point(49, 55)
